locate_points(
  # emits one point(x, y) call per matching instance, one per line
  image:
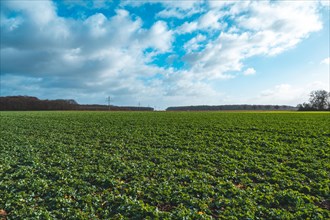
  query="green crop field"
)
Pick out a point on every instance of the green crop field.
point(164, 165)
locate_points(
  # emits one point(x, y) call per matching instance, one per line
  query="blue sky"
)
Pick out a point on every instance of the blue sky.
point(165, 53)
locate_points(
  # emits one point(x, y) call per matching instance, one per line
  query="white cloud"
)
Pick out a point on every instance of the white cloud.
point(219, 4)
point(101, 54)
point(171, 12)
point(263, 29)
point(100, 3)
point(98, 55)
point(249, 71)
point(221, 56)
point(37, 17)
point(326, 61)
point(325, 3)
point(45, 10)
point(188, 27)
point(159, 36)
point(183, 5)
point(281, 25)
point(194, 44)
point(209, 21)
point(96, 24)
point(288, 94)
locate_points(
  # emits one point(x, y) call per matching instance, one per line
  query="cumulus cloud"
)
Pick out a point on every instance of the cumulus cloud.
point(194, 44)
point(45, 9)
point(104, 37)
point(113, 53)
point(283, 93)
point(171, 12)
point(98, 54)
point(159, 36)
point(249, 71)
point(188, 27)
point(325, 3)
point(49, 31)
point(281, 25)
point(326, 61)
point(263, 29)
point(208, 21)
point(288, 94)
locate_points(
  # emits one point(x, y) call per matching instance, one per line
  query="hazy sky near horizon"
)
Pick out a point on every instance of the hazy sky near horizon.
point(165, 53)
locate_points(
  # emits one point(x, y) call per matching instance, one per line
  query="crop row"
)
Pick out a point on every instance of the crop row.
point(164, 165)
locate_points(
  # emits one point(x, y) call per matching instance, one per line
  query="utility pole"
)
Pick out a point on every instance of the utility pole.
point(109, 102)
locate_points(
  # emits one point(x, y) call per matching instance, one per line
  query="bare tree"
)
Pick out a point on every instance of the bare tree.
point(319, 99)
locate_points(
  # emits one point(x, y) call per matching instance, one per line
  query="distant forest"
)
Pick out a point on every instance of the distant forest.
point(28, 103)
point(230, 107)
point(319, 101)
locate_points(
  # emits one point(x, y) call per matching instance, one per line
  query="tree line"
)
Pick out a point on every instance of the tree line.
point(231, 107)
point(30, 103)
point(319, 101)
point(10, 103)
